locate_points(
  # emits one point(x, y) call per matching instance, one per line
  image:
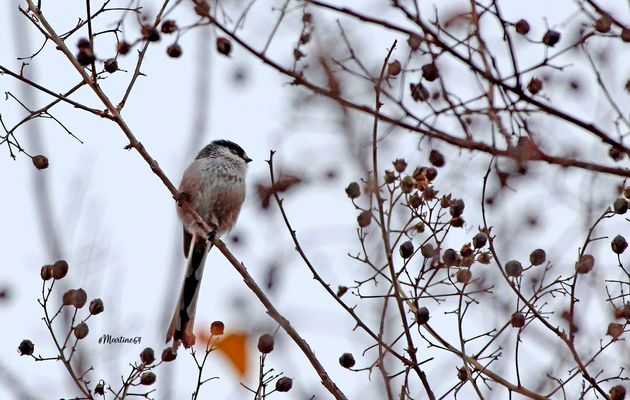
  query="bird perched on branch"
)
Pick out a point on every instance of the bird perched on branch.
point(214, 184)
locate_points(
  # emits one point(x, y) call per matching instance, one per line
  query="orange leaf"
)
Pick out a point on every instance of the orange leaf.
point(234, 347)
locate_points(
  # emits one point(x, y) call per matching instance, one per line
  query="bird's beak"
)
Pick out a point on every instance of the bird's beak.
point(248, 160)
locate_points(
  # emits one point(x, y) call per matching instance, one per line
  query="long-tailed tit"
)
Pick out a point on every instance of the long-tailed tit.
point(214, 183)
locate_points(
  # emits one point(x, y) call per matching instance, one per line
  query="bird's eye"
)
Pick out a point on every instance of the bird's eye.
point(234, 151)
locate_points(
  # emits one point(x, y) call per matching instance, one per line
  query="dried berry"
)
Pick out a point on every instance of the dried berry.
point(284, 384)
point(620, 206)
point(111, 65)
point(147, 356)
point(517, 320)
point(364, 219)
point(353, 190)
point(464, 275)
point(427, 250)
point(79, 298)
point(625, 35)
point(479, 240)
point(619, 244)
point(46, 272)
point(59, 269)
point(169, 354)
point(85, 57)
point(415, 201)
point(418, 92)
point(307, 18)
point(26, 347)
point(202, 8)
point(174, 50)
point(462, 374)
point(341, 290)
point(150, 33)
point(347, 360)
point(457, 222)
point(537, 257)
point(40, 162)
point(266, 343)
point(551, 38)
point(617, 392)
point(81, 330)
point(422, 316)
point(169, 26)
point(603, 24)
point(616, 154)
point(585, 264)
point(394, 68)
point(431, 173)
point(68, 297)
point(436, 158)
point(407, 184)
point(430, 72)
point(400, 165)
point(535, 85)
point(429, 193)
point(457, 207)
point(224, 46)
point(414, 41)
point(123, 47)
point(96, 306)
point(217, 328)
point(147, 378)
point(389, 177)
point(513, 268)
point(615, 330)
point(522, 27)
point(83, 43)
point(450, 258)
point(100, 388)
point(406, 249)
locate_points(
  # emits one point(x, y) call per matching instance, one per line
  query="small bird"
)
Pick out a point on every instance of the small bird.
point(214, 184)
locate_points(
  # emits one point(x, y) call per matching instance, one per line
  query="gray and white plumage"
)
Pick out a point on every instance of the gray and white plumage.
point(214, 183)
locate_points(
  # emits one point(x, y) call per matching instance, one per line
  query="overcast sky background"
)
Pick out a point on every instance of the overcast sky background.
point(118, 226)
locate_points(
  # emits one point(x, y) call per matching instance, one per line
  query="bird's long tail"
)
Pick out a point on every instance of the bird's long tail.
point(181, 328)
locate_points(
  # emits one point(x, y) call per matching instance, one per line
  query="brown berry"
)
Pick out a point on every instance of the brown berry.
point(415, 201)
point(202, 8)
point(620, 206)
point(418, 92)
point(535, 85)
point(537, 257)
point(83, 43)
point(431, 173)
point(462, 374)
point(430, 72)
point(389, 177)
point(174, 50)
point(513, 268)
point(284, 384)
point(26, 347)
point(615, 330)
point(616, 154)
point(450, 258)
point(617, 392)
point(551, 38)
point(407, 184)
point(619, 244)
point(147, 356)
point(100, 388)
point(347, 360)
point(217, 328)
point(150, 33)
point(406, 249)
point(85, 57)
point(436, 158)
point(427, 250)
point(394, 68)
point(224, 46)
point(341, 290)
point(169, 354)
point(169, 26)
point(147, 378)
point(364, 219)
point(400, 165)
point(123, 47)
point(625, 35)
point(603, 24)
point(307, 18)
point(111, 65)
point(517, 320)
point(414, 41)
point(46, 272)
point(585, 264)
point(79, 299)
point(68, 297)
point(40, 162)
point(81, 330)
point(96, 306)
point(422, 316)
point(353, 190)
point(457, 207)
point(479, 240)
point(464, 275)
point(266, 343)
point(522, 27)
point(59, 269)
